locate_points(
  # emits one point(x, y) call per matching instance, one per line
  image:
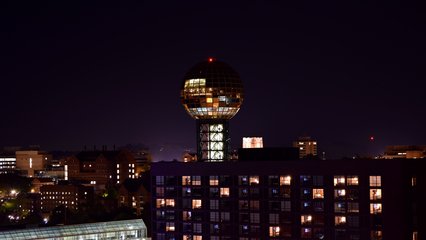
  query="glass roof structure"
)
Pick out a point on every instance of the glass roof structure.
point(134, 229)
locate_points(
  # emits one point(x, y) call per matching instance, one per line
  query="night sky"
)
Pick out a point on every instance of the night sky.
point(79, 73)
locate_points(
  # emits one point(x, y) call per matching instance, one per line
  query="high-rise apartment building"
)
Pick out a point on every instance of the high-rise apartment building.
point(299, 199)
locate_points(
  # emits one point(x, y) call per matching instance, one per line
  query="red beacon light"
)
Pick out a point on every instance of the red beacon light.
point(211, 59)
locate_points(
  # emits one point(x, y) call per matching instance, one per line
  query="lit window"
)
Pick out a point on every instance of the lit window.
point(318, 193)
point(415, 235)
point(170, 226)
point(285, 180)
point(243, 180)
point(224, 192)
point(214, 180)
point(413, 181)
point(340, 207)
point(375, 194)
point(376, 235)
point(196, 180)
point(254, 180)
point(196, 203)
point(339, 220)
point(375, 208)
point(306, 232)
point(186, 180)
point(339, 180)
point(161, 203)
point(274, 231)
point(170, 203)
point(375, 181)
point(306, 219)
point(339, 193)
point(352, 180)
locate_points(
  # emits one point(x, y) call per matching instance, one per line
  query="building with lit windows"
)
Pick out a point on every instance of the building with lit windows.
point(212, 93)
point(7, 164)
point(252, 142)
point(307, 147)
point(405, 151)
point(31, 162)
point(100, 168)
point(70, 196)
point(121, 230)
point(297, 199)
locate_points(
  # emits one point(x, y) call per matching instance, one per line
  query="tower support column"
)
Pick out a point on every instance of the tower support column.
point(213, 140)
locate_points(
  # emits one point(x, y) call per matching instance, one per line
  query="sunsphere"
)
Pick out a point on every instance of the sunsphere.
point(212, 90)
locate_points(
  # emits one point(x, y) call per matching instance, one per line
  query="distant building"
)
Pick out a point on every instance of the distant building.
point(31, 162)
point(126, 229)
point(405, 151)
point(100, 168)
point(134, 195)
point(307, 147)
point(71, 196)
point(37, 183)
point(252, 142)
point(189, 157)
point(280, 200)
point(7, 163)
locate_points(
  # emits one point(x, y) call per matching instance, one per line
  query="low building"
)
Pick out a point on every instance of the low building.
point(100, 168)
point(71, 196)
point(127, 229)
point(405, 151)
point(307, 147)
point(133, 194)
point(31, 162)
point(189, 157)
point(7, 163)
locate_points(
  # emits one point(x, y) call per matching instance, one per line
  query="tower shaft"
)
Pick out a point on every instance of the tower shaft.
point(213, 140)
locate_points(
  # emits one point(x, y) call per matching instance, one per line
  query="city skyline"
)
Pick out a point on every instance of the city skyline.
point(84, 74)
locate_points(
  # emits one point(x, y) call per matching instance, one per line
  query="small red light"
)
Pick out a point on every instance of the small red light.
point(372, 138)
point(210, 59)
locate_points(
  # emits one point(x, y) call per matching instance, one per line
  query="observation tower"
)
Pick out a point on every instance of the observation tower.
point(212, 93)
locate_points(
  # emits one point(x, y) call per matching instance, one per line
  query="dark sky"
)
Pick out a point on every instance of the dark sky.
point(78, 73)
